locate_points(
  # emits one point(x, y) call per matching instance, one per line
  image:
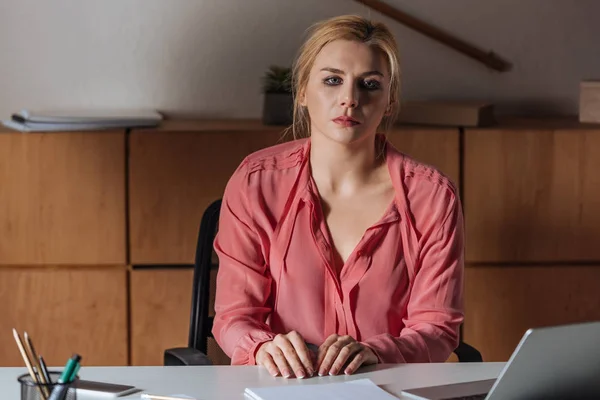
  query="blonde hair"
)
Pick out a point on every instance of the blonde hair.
point(348, 27)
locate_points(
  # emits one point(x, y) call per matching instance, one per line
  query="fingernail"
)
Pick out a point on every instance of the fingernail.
point(310, 372)
point(287, 373)
point(333, 372)
point(300, 374)
point(321, 373)
point(347, 372)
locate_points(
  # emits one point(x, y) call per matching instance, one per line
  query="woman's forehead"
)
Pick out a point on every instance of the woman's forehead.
point(351, 57)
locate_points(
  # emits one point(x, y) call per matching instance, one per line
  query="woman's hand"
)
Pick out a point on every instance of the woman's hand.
point(338, 351)
point(284, 354)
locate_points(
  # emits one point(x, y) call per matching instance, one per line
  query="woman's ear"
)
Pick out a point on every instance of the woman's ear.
point(302, 98)
point(388, 109)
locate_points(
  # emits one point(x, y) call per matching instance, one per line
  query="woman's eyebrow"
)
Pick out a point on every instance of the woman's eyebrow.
point(339, 71)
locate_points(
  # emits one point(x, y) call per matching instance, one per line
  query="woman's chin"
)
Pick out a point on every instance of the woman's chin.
point(348, 135)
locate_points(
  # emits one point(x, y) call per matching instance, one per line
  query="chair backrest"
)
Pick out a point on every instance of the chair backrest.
point(200, 321)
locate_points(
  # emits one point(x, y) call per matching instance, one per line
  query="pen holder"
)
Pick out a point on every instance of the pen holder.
point(40, 391)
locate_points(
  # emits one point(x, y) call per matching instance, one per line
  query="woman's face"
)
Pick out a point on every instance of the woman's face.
point(347, 91)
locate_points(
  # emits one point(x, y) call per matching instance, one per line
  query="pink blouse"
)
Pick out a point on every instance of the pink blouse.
point(399, 292)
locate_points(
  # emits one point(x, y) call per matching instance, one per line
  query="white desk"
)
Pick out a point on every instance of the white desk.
point(225, 382)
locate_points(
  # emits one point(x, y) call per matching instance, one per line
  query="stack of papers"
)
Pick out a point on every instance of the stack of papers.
point(351, 390)
point(78, 120)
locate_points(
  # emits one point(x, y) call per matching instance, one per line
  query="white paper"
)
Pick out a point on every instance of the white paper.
point(61, 127)
point(91, 115)
point(351, 390)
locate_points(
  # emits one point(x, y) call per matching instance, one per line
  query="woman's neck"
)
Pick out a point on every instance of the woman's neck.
point(341, 168)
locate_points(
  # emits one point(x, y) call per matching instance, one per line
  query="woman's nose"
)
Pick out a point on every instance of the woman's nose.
point(349, 98)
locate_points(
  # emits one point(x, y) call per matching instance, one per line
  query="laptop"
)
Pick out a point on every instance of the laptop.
point(559, 362)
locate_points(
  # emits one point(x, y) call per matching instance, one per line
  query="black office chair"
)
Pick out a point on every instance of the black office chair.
point(201, 323)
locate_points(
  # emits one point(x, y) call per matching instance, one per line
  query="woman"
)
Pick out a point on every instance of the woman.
point(338, 240)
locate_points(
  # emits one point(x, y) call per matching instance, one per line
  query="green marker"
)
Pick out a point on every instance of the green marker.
point(69, 368)
point(69, 372)
point(74, 374)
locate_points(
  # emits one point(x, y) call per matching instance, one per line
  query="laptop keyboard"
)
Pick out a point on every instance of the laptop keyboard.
point(472, 397)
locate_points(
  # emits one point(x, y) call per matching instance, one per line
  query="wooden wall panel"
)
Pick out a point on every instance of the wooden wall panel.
point(79, 309)
point(160, 314)
point(437, 147)
point(174, 176)
point(532, 195)
point(501, 303)
point(62, 198)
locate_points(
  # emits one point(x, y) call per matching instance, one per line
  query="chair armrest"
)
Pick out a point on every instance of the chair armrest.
point(185, 356)
point(467, 353)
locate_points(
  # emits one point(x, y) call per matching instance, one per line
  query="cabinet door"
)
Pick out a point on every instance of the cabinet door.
point(160, 314)
point(532, 195)
point(62, 198)
point(174, 176)
point(501, 303)
point(65, 311)
point(437, 147)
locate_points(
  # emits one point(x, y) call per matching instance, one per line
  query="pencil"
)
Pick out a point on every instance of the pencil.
point(35, 359)
point(28, 363)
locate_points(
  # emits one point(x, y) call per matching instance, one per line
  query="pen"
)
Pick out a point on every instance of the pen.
point(60, 391)
point(45, 370)
point(28, 363)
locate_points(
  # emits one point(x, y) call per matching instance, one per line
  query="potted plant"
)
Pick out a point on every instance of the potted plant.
point(278, 106)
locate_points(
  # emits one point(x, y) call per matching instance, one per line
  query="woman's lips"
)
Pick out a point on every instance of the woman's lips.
point(346, 121)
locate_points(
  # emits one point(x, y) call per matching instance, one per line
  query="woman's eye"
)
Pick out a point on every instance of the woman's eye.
point(334, 80)
point(371, 84)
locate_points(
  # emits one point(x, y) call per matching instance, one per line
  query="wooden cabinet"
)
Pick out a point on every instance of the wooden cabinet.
point(532, 194)
point(437, 147)
point(160, 314)
point(62, 198)
point(65, 310)
point(175, 173)
point(502, 302)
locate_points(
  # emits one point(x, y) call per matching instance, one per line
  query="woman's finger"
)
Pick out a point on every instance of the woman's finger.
point(302, 351)
point(345, 355)
point(281, 361)
point(357, 361)
point(323, 349)
point(293, 360)
point(267, 361)
point(330, 356)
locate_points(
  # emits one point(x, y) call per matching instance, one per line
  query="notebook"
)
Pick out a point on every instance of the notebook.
point(80, 120)
point(88, 116)
point(350, 390)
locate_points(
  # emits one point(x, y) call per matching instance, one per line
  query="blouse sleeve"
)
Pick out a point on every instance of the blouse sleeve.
point(435, 308)
point(243, 280)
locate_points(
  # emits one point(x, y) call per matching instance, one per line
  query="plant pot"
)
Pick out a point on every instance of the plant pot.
point(278, 109)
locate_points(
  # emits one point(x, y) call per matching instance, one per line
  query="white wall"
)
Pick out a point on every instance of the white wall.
point(207, 56)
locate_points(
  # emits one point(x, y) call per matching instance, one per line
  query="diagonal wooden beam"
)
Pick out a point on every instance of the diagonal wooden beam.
point(490, 59)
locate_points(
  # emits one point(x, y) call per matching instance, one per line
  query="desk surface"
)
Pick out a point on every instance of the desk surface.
point(225, 382)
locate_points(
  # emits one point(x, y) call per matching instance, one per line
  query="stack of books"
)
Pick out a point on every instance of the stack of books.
point(81, 120)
